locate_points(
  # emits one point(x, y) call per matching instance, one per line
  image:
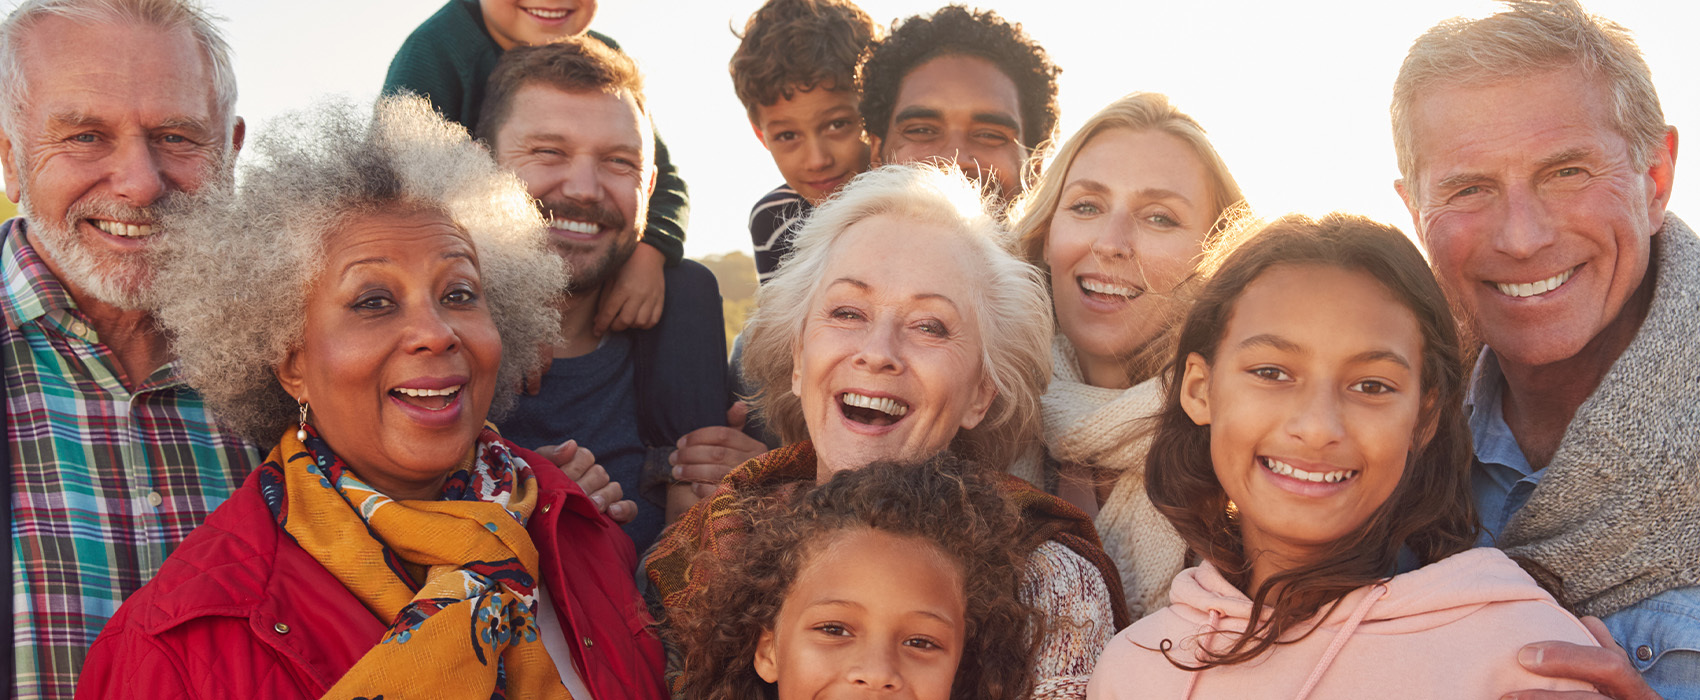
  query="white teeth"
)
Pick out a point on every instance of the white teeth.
point(887, 406)
point(416, 393)
point(1285, 469)
point(547, 14)
point(119, 228)
point(1529, 289)
point(1107, 288)
point(583, 227)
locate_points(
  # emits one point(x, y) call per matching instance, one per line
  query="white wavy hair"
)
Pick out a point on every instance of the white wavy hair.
point(236, 266)
point(1011, 304)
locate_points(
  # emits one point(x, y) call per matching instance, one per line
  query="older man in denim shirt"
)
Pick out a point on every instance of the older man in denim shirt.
point(1536, 165)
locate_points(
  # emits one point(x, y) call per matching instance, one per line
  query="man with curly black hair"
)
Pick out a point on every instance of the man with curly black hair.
point(962, 85)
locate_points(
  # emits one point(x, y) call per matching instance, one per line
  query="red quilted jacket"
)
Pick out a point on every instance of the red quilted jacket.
point(241, 611)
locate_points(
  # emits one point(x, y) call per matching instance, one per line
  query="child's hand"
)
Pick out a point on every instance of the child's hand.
point(632, 299)
point(580, 465)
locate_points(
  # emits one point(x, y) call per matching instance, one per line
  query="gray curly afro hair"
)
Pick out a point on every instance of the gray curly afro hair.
point(234, 267)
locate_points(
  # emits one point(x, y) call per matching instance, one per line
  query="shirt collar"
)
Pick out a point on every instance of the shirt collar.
point(1493, 441)
point(31, 290)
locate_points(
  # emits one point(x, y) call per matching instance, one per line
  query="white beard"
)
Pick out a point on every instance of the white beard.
point(122, 280)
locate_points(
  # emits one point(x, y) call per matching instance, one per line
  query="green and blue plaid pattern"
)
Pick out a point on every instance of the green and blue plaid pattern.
point(105, 481)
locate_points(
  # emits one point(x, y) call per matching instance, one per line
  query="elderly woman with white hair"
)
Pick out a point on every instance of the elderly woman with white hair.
point(898, 328)
point(365, 302)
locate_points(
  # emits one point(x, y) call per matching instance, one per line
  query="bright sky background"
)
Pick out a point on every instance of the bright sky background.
point(1294, 94)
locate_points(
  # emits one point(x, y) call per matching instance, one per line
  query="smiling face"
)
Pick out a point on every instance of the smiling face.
point(587, 157)
point(1537, 222)
point(1313, 401)
point(1131, 221)
point(102, 139)
point(870, 613)
point(816, 139)
point(532, 22)
point(399, 356)
point(964, 110)
point(889, 364)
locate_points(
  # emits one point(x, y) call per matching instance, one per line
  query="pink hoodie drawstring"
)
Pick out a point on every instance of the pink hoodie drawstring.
point(1340, 638)
point(1192, 678)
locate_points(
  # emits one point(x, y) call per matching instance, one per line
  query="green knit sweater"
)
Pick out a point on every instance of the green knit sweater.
point(449, 58)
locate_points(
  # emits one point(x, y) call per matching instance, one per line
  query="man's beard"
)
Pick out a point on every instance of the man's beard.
point(589, 273)
point(123, 280)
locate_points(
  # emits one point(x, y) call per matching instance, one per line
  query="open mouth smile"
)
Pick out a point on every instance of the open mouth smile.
point(878, 411)
point(428, 399)
point(544, 14)
point(1288, 470)
point(573, 228)
point(1108, 291)
point(121, 229)
point(1537, 288)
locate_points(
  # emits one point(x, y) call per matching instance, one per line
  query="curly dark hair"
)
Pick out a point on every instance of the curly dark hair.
point(952, 503)
point(958, 31)
point(1430, 510)
point(792, 45)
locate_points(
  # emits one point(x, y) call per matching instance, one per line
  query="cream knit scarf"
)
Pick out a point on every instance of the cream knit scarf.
point(1085, 424)
point(1617, 515)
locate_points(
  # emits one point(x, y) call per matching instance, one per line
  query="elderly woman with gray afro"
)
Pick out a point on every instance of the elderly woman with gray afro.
point(365, 300)
point(899, 328)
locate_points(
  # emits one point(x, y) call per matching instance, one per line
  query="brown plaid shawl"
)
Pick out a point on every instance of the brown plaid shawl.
point(715, 525)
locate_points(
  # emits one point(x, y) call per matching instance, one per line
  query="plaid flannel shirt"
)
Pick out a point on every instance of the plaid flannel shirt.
point(105, 481)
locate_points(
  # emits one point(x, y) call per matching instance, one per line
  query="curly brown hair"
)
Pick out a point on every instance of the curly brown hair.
point(958, 31)
point(793, 45)
point(950, 502)
point(1430, 511)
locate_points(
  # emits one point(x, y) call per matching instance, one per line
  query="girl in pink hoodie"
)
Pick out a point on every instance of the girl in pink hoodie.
point(1313, 452)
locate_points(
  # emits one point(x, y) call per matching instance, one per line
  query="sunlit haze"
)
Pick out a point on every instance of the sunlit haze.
point(1294, 94)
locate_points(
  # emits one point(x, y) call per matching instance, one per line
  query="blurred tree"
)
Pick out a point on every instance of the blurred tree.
point(736, 272)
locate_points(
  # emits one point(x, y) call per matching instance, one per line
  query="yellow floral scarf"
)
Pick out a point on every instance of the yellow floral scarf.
point(468, 629)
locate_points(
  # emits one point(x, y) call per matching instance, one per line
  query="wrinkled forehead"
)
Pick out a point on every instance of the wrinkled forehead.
point(147, 72)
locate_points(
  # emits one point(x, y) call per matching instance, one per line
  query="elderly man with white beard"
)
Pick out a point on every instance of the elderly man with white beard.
point(114, 461)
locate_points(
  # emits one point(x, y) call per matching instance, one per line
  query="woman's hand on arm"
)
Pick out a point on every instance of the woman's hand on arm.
point(1606, 667)
point(580, 465)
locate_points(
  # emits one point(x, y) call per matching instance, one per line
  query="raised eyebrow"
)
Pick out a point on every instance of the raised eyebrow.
point(997, 118)
point(1271, 341)
point(1381, 356)
point(1461, 181)
point(850, 281)
point(918, 113)
point(185, 123)
point(1568, 155)
point(75, 120)
point(940, 297)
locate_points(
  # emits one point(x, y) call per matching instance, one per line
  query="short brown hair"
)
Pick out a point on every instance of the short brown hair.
point(796, 45)
point(574, 64)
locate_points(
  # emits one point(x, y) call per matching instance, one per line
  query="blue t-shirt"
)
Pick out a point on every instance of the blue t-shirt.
point(591, 399)
point(1661, 633)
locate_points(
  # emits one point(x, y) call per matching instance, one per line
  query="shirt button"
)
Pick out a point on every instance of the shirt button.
point(589, 643)
point(1644, 653)
point(154, 499)
point(545, 507)
point(280, 628)
point(78, 328)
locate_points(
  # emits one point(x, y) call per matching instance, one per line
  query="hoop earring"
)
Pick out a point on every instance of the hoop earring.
point(301, 432)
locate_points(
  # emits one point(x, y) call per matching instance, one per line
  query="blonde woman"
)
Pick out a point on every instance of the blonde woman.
point(1117, 223)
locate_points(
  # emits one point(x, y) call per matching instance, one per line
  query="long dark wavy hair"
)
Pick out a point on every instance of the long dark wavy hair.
point(1430, 511)
point(949, 502)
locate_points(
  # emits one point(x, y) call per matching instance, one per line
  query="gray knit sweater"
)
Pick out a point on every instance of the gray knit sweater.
point(1617, 514)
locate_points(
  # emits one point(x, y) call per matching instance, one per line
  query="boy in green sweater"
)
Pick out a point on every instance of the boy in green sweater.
point(448, 59)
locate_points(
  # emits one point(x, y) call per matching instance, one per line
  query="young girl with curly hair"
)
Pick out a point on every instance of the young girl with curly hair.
point(1312, 451)
point(892, 578)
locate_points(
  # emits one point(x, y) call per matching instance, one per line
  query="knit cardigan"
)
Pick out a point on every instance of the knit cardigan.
point(1617, 514)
